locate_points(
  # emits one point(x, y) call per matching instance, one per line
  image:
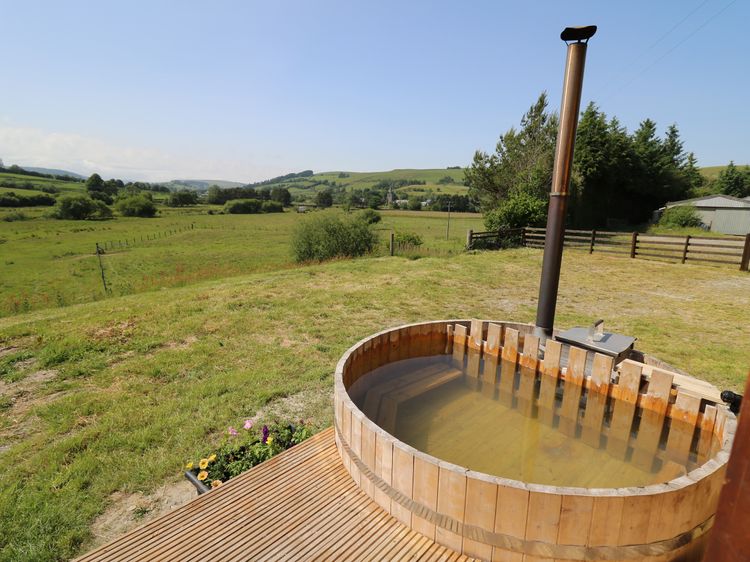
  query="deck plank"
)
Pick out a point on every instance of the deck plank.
point(300, 505)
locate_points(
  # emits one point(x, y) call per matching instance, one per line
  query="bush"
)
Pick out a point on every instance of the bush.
point(325, 236)
point(246, 448)
point(272, 207)
point(242, 206)
point(80, 207)
point(136, 206)
point(519, 210)
point(680, 217)
point(11, 199)
point(182, 198)
point(15, 216)
point(370, 216)
point(407, 239)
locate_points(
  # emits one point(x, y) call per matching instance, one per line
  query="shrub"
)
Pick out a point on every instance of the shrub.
point(370, 216)
point(246, 448)
point(182, 198)
point(407, 239)
point(272, 207)
point(325, 236)
point(15, 216)
point(519, 210)
point(80, 207)
point(136, 206)
point(680, 217)
point(11, 199)
point(242, 206)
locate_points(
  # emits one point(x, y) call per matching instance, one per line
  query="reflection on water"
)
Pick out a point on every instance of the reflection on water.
point(437, 408)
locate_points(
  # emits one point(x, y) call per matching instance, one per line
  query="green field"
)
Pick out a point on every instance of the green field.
point(53, 263)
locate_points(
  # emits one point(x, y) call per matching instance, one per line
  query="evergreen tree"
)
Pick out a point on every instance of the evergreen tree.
point(734, 182)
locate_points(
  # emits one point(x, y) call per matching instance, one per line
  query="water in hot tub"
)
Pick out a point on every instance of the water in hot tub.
point(431, 404)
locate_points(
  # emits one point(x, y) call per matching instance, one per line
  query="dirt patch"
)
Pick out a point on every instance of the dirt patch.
point(304, 405)
point(23, 396)
point(116, 331)
point(127, 511)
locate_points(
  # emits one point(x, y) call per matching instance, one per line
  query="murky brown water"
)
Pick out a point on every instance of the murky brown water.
point(436, 408)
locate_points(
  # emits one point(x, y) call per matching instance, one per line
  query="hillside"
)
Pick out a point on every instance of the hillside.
point(414, 182)
point(54, 172)
point(200, 185)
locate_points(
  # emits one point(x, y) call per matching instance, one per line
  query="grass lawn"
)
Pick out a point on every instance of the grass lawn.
point(113, 396)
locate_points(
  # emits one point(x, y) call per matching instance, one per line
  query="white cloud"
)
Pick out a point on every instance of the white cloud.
point(86, 155)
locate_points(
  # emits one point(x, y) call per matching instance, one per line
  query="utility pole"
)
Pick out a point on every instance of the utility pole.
point(448, 228)
point(99, 253)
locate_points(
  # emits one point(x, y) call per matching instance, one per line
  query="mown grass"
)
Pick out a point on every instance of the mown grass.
point(137, 384)
point(51, 263)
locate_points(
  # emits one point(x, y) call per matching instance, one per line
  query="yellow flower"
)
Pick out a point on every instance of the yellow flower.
point(216, 483)
point(189, 465)
point(212, 458)
point(202, 475)
point(269, 440)
point(203, 464)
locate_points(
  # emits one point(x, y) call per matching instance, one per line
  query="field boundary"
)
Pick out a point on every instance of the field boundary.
point(733, 251)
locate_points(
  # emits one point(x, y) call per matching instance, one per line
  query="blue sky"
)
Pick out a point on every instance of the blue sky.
point(248, 90)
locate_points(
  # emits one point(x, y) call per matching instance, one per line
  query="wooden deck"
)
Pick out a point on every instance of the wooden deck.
point(300, 505)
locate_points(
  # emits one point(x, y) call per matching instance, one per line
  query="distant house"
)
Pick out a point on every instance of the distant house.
point(720, 213)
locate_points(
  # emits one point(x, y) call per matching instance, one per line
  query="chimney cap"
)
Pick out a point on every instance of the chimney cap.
point(583, 33)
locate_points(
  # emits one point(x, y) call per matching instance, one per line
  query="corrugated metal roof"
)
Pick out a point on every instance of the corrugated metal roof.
point(723, 201)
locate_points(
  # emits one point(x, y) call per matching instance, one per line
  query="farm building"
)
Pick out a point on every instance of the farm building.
point(720, 213)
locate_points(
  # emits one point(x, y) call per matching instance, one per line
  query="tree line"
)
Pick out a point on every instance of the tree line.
point(617, 177)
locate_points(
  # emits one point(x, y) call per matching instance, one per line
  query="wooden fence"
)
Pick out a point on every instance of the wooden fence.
point(733, 251)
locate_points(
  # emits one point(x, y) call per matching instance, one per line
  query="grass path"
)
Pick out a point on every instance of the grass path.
point(113, 396)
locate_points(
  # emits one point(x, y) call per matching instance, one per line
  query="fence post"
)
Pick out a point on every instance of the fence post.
point(593, 240)
point(99, 253)
point(523, 237)
point(745, 261)
point(469, 236)
point(633, 243)
point(685, 249)
point(393, 243)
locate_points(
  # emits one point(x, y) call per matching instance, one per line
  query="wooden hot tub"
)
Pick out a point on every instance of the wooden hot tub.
point(628, 408)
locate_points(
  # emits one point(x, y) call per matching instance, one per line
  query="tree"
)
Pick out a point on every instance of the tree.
point(282, 195)
point(136, 206)
point(693, 174)
point(182, 198)
point(324, 198)
point(734, 182)
point(80, 207)
point(94, 183)
point(522, 161)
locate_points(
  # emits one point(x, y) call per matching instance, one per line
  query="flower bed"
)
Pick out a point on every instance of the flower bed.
point(242, 450)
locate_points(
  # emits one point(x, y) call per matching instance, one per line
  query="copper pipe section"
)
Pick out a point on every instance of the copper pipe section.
point(558, 204)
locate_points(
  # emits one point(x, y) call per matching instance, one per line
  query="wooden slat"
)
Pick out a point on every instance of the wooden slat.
point(652, 418)
point(596, 400)
point(684, 419)
point(301, 505)
point(509, 360)
point(460, 337)
point(624, 409)
point(574, 380)
point(529, 363)
point(708, 421)
point(550, 372)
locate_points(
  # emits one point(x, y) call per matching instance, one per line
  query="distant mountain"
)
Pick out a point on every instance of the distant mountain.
point(200, 185)
point(54, 172)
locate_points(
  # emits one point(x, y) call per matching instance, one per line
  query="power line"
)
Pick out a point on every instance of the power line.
point(621, 88)
point(675, 26)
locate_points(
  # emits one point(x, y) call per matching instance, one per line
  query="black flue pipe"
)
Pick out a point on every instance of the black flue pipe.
point(576, 37)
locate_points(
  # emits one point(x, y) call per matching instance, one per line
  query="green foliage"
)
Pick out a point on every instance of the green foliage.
point(182, 198)
point(15, 216)
point(445, 180)
point(325, 236)
point(136, 206)
point(680, 217)
point(734, 182)
point(414, 204)
point(80, 207)
point(519, 210)
point(272, 207)
point(281, 195)
point(242, 206)
point(11, 199)
point(324, 199)
point(246, 448)
point(407, 239)
point(370, 216)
